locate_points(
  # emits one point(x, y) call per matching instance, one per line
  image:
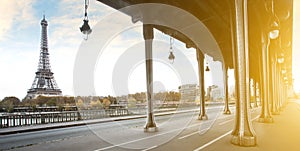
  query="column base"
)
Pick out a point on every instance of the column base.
point(281, 108)
point(202, 117)
point(150, 125)
point(227, 112)
point(276, 113)
point(150, 129)
point(265, 120)
point(243, 140)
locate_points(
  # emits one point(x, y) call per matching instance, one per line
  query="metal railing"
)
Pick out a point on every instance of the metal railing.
point(24, 119)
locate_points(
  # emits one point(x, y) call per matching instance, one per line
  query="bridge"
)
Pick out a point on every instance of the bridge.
point(252, 37)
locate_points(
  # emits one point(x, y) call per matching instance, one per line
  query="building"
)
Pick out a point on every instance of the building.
point(188, 92)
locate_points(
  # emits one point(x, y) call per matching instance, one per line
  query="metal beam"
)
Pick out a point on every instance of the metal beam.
point(148, 36)
point(243, 133)
point(200, 59)
point(225, 77)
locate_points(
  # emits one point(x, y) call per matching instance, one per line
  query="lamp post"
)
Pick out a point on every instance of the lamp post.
point(85, 28)
point(171, 55)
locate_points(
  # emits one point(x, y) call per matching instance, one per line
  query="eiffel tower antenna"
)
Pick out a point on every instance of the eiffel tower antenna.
point(44, 83)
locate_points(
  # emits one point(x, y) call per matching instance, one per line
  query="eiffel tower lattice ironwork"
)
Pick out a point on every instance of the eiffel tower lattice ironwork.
point(44, 83)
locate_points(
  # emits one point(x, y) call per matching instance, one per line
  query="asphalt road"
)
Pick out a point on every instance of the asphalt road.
point(175, 132)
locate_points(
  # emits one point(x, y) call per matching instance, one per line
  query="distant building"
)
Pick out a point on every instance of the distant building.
point(188, 92)
point(216, 93)
point(122, 100)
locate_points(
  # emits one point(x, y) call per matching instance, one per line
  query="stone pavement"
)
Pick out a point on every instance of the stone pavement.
point(282, 135)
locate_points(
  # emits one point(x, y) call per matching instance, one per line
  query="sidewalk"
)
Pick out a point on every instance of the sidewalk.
point(282, 135)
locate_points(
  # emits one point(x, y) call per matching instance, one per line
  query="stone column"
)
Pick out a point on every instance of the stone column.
point(225, 77)
point(243, 133)
point(148, 36)
point(200, 59)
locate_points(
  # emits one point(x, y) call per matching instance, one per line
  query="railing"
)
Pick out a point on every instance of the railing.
point(22, 119)
point(97, 114)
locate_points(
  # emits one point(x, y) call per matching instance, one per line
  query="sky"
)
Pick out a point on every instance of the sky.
point(20, 45)
point(20, 34)
point(296, 46)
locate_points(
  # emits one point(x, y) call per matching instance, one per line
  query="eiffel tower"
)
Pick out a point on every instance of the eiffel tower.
point(44, 83)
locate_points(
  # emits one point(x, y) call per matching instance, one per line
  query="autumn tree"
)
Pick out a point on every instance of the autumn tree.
point(96, 104)
point(106, 103)
point(8, 103)
point(131, 102)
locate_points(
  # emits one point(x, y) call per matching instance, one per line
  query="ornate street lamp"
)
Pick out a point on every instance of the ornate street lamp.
point(207, 68)
point(274, 27)
point(85, 28)
point(280, 58)
point(273, 23)
point(171, 55)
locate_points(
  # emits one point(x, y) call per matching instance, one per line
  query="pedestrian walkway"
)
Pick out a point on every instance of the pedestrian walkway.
point(282, 135)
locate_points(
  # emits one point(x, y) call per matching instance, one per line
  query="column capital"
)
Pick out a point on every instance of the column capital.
point(148, 31)
point(199, 54)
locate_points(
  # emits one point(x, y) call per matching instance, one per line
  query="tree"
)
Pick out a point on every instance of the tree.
point(131, 102)
point(112, 99)
point(160, 96)
point(8, 103)
point(80, 104)
point(41, 100)
point(51, 102)
point(96, 104)
point(14, 100)
point(106, 103)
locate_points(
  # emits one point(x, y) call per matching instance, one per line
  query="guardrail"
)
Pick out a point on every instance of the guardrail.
point(25, 119)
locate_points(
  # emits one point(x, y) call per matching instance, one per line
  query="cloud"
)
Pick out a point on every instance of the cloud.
point(12, 12)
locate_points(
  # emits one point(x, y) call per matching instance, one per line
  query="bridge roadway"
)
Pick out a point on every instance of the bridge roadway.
point(176, 132)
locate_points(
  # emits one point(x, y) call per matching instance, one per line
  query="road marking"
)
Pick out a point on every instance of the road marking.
point(149, 148)
point(144, 138)
point(193, 134)
point(188, 135)
point(226, 122)
point(211, 142)
point(121, 144)
point(255, 118)
point(220, 137)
